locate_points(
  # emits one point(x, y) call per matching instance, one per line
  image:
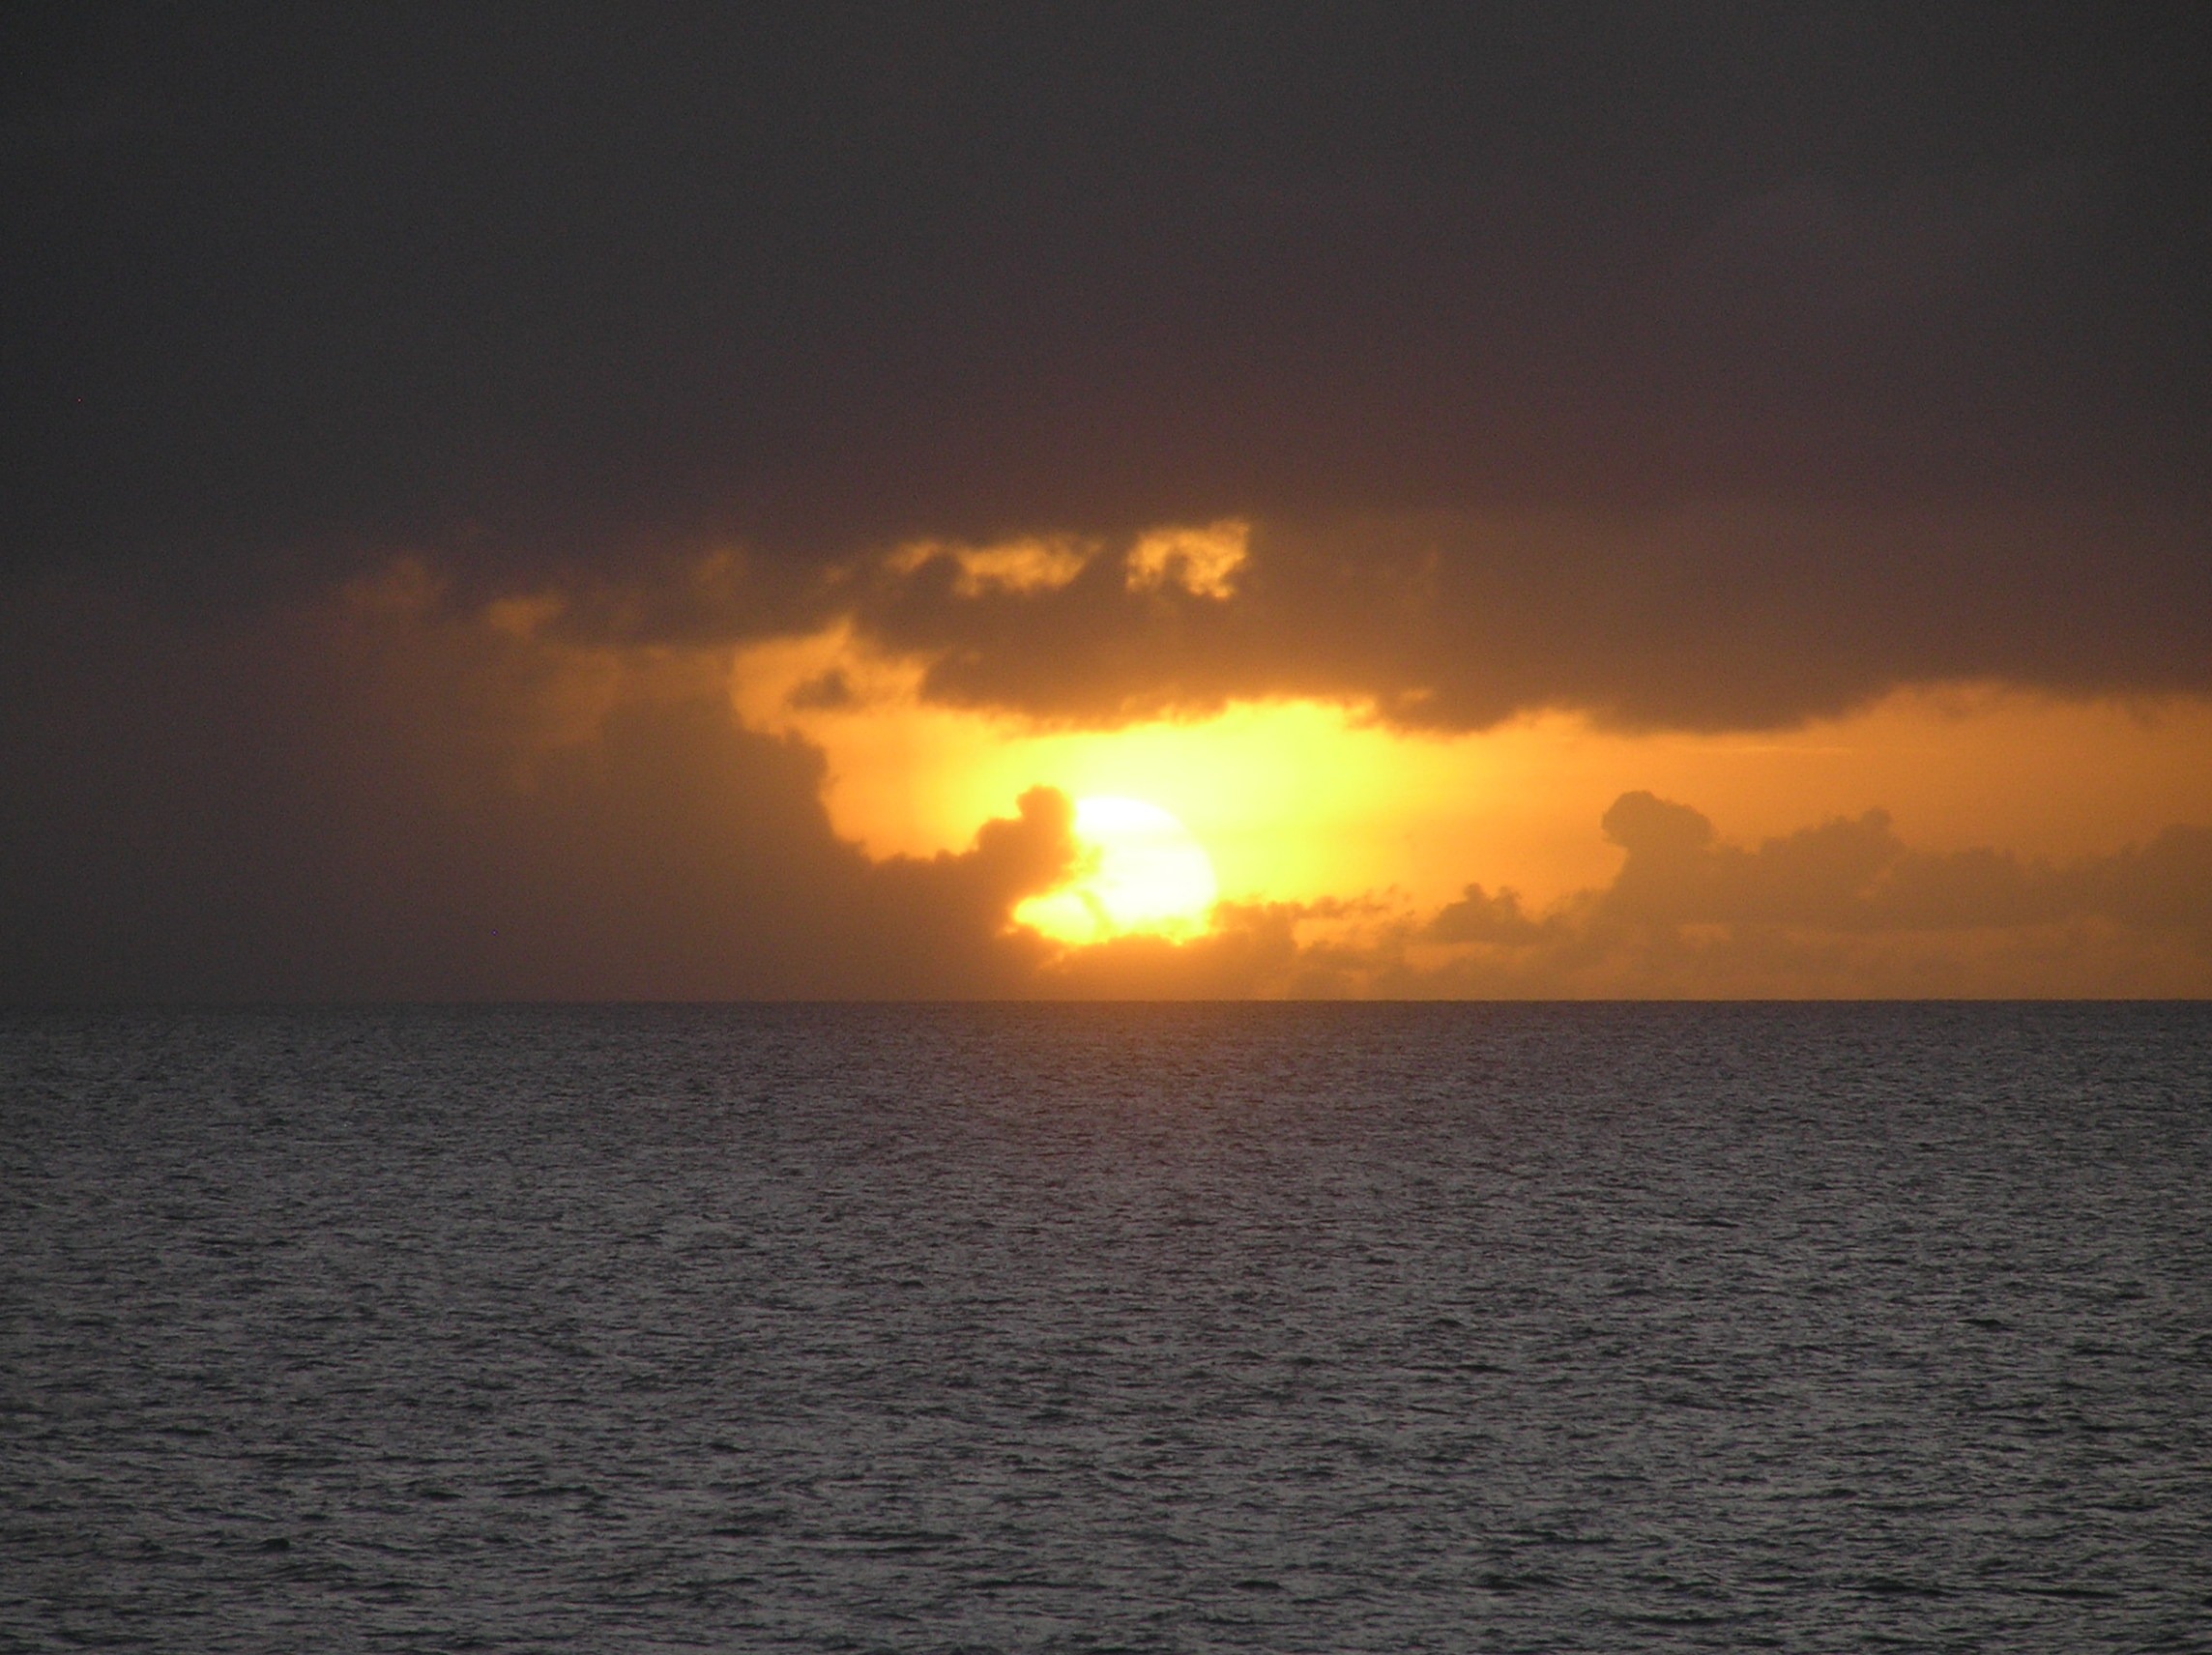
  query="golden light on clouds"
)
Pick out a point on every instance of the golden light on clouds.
point(1032, 564)
point(1203, 561)
point(1141, 870)
point(665, 804)
point(1306, 802)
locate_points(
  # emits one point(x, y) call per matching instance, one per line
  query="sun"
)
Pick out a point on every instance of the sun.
point(1141, 871)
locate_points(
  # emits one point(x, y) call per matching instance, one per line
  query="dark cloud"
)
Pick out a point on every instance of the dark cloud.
point(372, 799)
point(1486, 917)
point(1844, 907)
point(1710, 618)
point(518, 284)
point(1858, 875)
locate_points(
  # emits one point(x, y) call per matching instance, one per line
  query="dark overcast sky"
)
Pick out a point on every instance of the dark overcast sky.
point(1692, 366)
point(535, 279)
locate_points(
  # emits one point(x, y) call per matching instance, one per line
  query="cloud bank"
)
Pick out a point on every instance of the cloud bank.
point(383, 796)
point(1839, 909)
point(1715, 618)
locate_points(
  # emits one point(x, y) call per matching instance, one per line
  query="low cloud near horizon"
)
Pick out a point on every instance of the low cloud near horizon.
point(385, 797)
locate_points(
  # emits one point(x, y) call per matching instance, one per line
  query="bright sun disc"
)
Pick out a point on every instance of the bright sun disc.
point(1142, 871)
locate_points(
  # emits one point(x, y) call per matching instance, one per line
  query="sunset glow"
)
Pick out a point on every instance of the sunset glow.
point(1278, 826)
point(1308, 801)
point(1141, 871)
point(1627, 508)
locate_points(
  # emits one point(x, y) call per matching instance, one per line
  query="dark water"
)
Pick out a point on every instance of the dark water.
point(1260, 1328)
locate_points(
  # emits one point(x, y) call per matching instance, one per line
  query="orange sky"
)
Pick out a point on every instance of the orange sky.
point(1299, 801)
point(1960, 838)
point(403, 790)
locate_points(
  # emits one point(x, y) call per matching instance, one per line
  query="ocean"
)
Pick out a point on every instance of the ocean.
point(1108, 1327)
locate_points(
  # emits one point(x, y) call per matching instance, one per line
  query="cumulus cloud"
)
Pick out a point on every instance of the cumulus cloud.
point(1854, 876)
point(1489, 916)
point(1842, 907)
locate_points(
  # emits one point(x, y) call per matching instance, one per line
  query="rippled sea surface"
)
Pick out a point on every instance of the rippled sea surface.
point(1254, 1328)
